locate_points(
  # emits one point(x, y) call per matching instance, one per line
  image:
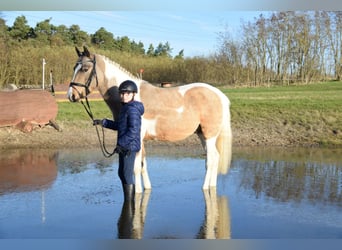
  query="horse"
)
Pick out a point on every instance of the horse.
point(171, 114)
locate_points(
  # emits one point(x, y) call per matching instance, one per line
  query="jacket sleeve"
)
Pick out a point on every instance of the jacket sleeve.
point(110, 124)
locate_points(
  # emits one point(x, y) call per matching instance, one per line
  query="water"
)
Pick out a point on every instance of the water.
point(268, 193)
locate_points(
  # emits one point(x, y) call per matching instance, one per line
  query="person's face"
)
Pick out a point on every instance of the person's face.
point(126, 96)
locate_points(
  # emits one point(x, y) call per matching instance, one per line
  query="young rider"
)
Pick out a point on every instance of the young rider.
point(128, 126)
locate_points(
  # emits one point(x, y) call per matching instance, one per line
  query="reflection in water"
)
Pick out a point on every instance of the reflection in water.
point(216, 224)
point(262, 186)
point(132, 219)
point(22, 171)
point(296, 181)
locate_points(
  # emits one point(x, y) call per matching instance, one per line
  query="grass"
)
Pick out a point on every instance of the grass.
point(306, 114)
point(312, 111)
point(68, 111)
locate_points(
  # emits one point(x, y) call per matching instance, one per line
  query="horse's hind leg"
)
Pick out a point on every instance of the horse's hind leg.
point(212, 161)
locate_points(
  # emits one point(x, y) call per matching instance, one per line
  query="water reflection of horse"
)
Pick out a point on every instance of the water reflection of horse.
point(171, 114)
point(216, 223)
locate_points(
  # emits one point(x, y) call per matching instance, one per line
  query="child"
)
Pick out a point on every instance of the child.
point(128, 142)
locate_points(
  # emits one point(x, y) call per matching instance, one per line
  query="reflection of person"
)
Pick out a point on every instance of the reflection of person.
point(128, 126)
point(125, 222)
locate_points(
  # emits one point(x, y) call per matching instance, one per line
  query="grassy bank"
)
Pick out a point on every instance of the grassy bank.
point(306, 115)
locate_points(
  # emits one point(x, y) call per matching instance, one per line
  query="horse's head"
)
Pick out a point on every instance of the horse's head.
point(84, 79)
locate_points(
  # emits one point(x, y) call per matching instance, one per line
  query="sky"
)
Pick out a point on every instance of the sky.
point(195, 32)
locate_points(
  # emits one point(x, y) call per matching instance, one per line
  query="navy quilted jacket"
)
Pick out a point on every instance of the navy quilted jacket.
point(128, 125)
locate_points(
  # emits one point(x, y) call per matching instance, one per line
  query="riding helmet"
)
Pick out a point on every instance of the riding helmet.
point(128, 86)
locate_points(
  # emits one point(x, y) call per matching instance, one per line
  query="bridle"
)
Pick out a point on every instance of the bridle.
point(86, 106)
point(86, 85)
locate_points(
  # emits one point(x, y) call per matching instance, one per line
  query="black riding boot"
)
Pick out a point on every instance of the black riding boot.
point(129, 192)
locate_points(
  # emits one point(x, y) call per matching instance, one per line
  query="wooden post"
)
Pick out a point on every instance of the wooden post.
point(43, 73)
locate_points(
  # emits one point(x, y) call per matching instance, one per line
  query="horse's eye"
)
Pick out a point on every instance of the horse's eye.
point(85, 69)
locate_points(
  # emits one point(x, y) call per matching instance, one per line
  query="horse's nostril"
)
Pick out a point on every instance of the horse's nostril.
point(72, 98)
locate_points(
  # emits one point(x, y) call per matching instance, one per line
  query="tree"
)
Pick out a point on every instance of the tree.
point(103, 39)
point(137, 48)
point(20, 30)
point(4, 53)
point(62, 36)
point(44, 31)
point(180, 55)
point(124, 44)
point(335, 40)
point(163, 50)
point(78, 37)
point(150, 50)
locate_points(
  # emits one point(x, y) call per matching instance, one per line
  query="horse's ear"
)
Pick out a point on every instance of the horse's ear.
point(86, 51)
point(78, 52)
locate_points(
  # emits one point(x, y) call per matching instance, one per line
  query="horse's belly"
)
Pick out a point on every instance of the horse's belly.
point(171, 137)
point(169, 131)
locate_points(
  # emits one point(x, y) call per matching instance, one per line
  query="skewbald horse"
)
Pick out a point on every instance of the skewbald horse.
point(171, 114)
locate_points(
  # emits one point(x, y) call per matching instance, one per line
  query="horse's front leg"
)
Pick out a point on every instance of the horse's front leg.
point(140, 170)
point(137, 172)
point(145, 177)
point(144, 173)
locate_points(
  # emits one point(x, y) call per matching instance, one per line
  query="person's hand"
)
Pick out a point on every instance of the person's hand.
point(122, 151)
point(97, 122)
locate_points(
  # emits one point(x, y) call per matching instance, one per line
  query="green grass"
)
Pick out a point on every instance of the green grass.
point(323, 96)
point(313, 110)
point(68, 111)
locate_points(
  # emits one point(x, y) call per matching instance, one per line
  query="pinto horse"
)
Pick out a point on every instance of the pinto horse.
point(171, 114)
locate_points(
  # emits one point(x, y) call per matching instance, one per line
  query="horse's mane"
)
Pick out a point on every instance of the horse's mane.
point(105, 58)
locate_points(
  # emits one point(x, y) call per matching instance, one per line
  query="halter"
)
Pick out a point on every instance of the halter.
point(86, 86)
point(86, 106)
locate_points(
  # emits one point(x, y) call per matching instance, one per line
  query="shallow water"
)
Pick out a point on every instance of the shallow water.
point(268, 193)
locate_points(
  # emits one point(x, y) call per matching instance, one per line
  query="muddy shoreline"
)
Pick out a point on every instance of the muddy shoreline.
point(84, 135)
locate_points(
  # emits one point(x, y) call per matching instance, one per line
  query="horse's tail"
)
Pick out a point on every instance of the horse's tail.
point(224, 142)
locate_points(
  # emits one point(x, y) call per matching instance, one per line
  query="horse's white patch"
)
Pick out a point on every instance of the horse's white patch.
point(180, 110)
point(150, 126)
point(79, 66)
point(114, 70)
point(110, 69)
point(70, 93)
point(183, 89)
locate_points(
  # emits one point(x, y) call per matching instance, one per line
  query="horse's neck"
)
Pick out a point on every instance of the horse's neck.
point(116, 74)
point(113, 75)
point(112, 99)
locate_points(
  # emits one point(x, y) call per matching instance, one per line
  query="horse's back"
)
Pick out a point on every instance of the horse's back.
point(175, 113)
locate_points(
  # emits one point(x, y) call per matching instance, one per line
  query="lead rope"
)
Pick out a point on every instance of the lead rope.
point(104, 150)
point(106, 153)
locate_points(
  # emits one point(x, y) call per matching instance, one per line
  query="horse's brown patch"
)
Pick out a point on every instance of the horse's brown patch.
point(179, 116)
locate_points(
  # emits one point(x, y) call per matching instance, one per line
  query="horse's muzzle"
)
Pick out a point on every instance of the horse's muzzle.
point(71, 96)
